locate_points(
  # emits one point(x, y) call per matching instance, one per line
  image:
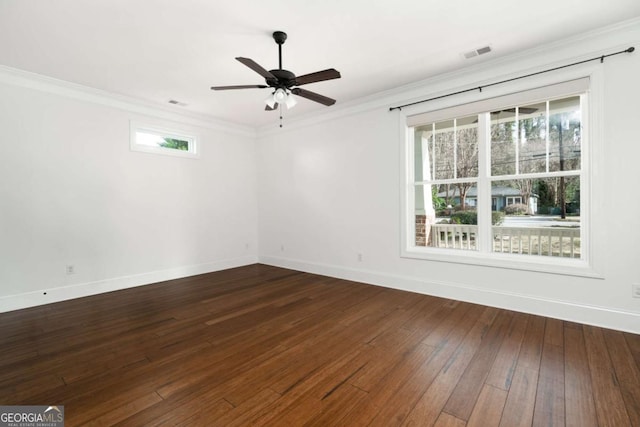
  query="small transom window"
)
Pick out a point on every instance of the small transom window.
point(151, 139)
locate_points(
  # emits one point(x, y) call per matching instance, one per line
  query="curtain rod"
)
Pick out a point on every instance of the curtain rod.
point(479, 88)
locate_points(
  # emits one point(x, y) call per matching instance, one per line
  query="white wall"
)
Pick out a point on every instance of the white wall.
point(329, 190)
point(72, 193)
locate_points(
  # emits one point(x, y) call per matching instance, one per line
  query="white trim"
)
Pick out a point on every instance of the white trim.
point(554, 54)
point(565, 310)
point(486, 104)
point(543, 264)
point(575, 77)
point(21, 78)
point(62, 293)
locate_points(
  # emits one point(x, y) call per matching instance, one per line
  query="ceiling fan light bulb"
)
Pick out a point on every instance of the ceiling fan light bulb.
point(291, 101)
point(280, 95)
point(270, 101)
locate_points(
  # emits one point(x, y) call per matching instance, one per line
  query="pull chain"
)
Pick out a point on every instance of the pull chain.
point(280, 105)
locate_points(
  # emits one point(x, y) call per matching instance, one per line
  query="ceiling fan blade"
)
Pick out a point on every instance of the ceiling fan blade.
point(313, 96)
point(256, 67)
point(238, 87)
point(318, 76)
point(275, 107)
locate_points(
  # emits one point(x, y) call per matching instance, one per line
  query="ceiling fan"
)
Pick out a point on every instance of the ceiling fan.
point(284, 82)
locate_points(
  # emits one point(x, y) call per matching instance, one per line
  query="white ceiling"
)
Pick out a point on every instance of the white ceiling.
point(157, 50)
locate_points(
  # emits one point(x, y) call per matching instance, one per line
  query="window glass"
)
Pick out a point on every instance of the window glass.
point(565, 134)
point(543, 219)
point(503, 142)
point(152, 139)
point(532, 138)
point(530, 187)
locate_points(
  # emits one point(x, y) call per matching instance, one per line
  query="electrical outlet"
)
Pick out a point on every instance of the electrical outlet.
point(281, 248)
point(635, 291)
point(359, 257)
point(71, 269)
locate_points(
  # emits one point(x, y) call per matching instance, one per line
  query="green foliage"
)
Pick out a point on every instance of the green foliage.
point(544, 192)
point(471, 217)
point(438, 202)
point(176, 144)
point(465, 217)
point(497, 218)
point(544, 210)
point(572, 191)
point(516, 209)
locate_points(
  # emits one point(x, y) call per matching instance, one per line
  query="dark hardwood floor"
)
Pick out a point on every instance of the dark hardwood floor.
point(261, 345)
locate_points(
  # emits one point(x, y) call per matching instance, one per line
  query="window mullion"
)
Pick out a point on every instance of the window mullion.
point(455, 148)
point(517, 141)
point(485, 237)
point(546, 132)
point(433, 151)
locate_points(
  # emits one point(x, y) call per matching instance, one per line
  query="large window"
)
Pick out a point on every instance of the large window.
point(500, 178)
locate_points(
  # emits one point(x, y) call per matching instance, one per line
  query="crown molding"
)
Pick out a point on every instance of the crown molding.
point(574, 48)
point(30, 80)
point(560, 52)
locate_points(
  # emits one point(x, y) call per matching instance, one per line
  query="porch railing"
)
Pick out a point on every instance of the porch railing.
point(543, 241)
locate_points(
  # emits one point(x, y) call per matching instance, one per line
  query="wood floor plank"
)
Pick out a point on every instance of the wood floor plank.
point(262, 345)
point(463, 398)
point(549, 407)
point(430, 404)
point(240, 415)
point(633, 342)
point(399, 405)
point(519, 408)
point(446, 420)
point(390, 384)
point(579, 406)
point(124, 411)
point(531, 348)
point(488, 410)
point(627, 372)
point(305, 399)
point(338, 407)
point(504, 365)
point(610, 405)
point(203, 416)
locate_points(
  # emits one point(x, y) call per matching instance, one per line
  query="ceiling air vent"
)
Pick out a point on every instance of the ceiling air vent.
point(477, 52)
point(174, 102)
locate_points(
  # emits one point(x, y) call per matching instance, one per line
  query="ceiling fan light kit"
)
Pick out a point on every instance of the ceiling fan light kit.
point(284, 81)
point(290, 102)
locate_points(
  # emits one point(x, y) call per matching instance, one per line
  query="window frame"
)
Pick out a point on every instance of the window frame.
point(512, 199)
point(591, 185)
point(194, 147)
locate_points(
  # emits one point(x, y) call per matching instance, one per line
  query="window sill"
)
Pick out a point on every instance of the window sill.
point(542, 264)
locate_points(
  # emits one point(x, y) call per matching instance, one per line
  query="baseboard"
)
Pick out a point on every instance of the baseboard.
point(50, 295)
point(587, 314)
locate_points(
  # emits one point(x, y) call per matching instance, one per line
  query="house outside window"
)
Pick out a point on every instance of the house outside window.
point(502, 181)
point(513, 200)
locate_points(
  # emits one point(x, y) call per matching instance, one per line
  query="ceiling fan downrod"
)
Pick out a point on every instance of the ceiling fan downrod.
point(280, 37)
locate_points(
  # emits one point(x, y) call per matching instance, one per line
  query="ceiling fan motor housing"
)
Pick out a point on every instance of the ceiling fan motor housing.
point(284, 79)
